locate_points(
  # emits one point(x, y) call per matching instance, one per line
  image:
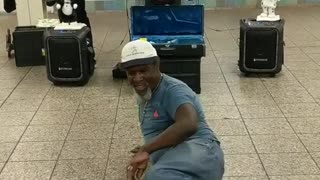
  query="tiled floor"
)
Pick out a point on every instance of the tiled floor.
point(269, 127)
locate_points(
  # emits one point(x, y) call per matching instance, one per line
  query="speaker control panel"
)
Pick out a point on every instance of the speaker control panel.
point(252, 23)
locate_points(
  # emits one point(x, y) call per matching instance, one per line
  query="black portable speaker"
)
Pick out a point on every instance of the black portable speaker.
point(68, 55)
point(261, 46)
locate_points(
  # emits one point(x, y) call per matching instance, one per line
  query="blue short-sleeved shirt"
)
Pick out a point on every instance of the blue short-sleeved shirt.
point(158, 114)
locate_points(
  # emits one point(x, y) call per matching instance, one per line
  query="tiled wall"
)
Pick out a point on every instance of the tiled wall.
point(93, 5)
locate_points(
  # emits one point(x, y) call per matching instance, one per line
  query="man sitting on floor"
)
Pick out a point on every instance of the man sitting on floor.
point(178, 141)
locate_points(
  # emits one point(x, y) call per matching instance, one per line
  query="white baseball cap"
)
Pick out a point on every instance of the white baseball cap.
point(137, 52)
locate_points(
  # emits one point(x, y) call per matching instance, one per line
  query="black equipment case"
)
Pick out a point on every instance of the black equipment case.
point(28, 45)
point(177, 33)
point(261, 46)
point(69, 57)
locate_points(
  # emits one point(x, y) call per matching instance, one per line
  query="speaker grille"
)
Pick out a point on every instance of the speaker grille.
point(261, 49)
point(65, 61)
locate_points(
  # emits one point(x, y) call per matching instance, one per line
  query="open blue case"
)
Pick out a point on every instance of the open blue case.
point(173, 30)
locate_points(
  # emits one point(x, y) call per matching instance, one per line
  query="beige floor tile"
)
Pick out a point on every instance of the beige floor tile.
point(65, 92)
point(102, 91)
point(91, 169)
point(212, 78)
point(311, 141)
point(221, 112)
point(286, 97)
point(300, 109)
point(246, 178)
point(305, 124)
point(7, 75)
point(283, 143)
point(297, 65)
point(103, 72)
point(268, 126)
point(236, 145)
point(37, 73)
point(307, 75)
point(297, 57)
point(315, 57)
point(37, 151)
point(29, 93)
point(127, 130)
point(246, 87)
point(28, 170)
point(214, 88)
point(295, 177)
point(216, 99)
point(301, 43)
point(310, 50)
point(316, 157)
point(34, 84)
point(312, 87)
point(45, 133)
point(127, 115)
point(283, 86)
point(252, 99)
point(116, 169)
point(11, 133)
point(243, 165)
point(226, 53)
point(284, 75)
point(310, 84)
point(21, 105)
point(240, 78)
point(1, 165)
point(95, 116)
point(90, 131)
point(9, 84)
point(210, 68)
point(260, 111)
point(88, 149)
point(53, 117)
point(314, 93)
point(59, 104)
point(4, 93)
point(228, 127)
point(98, 103)
point(104, 81)
point(230, 67)
point(289, 164)
point(5, 151)
point(293, 51)
point(15, 118)
point(107, 61)
point(127, 103)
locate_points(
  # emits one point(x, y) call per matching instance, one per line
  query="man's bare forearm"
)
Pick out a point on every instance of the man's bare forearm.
point(172, 136)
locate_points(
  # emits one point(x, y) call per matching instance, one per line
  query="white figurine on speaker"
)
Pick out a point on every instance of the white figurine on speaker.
point(68, 16)
point(268, 8)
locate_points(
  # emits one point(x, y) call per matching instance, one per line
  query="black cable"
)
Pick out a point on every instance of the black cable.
point(107, 52)
point(128, 32)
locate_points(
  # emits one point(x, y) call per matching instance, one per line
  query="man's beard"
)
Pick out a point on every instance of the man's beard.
point(142, 99)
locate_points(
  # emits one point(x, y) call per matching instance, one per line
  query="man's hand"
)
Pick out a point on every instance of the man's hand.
point(137, 165)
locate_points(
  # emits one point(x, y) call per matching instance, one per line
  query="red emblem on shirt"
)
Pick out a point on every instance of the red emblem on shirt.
point(155, 114)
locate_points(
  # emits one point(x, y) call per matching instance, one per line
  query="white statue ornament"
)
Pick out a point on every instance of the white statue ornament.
point(268, 11)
